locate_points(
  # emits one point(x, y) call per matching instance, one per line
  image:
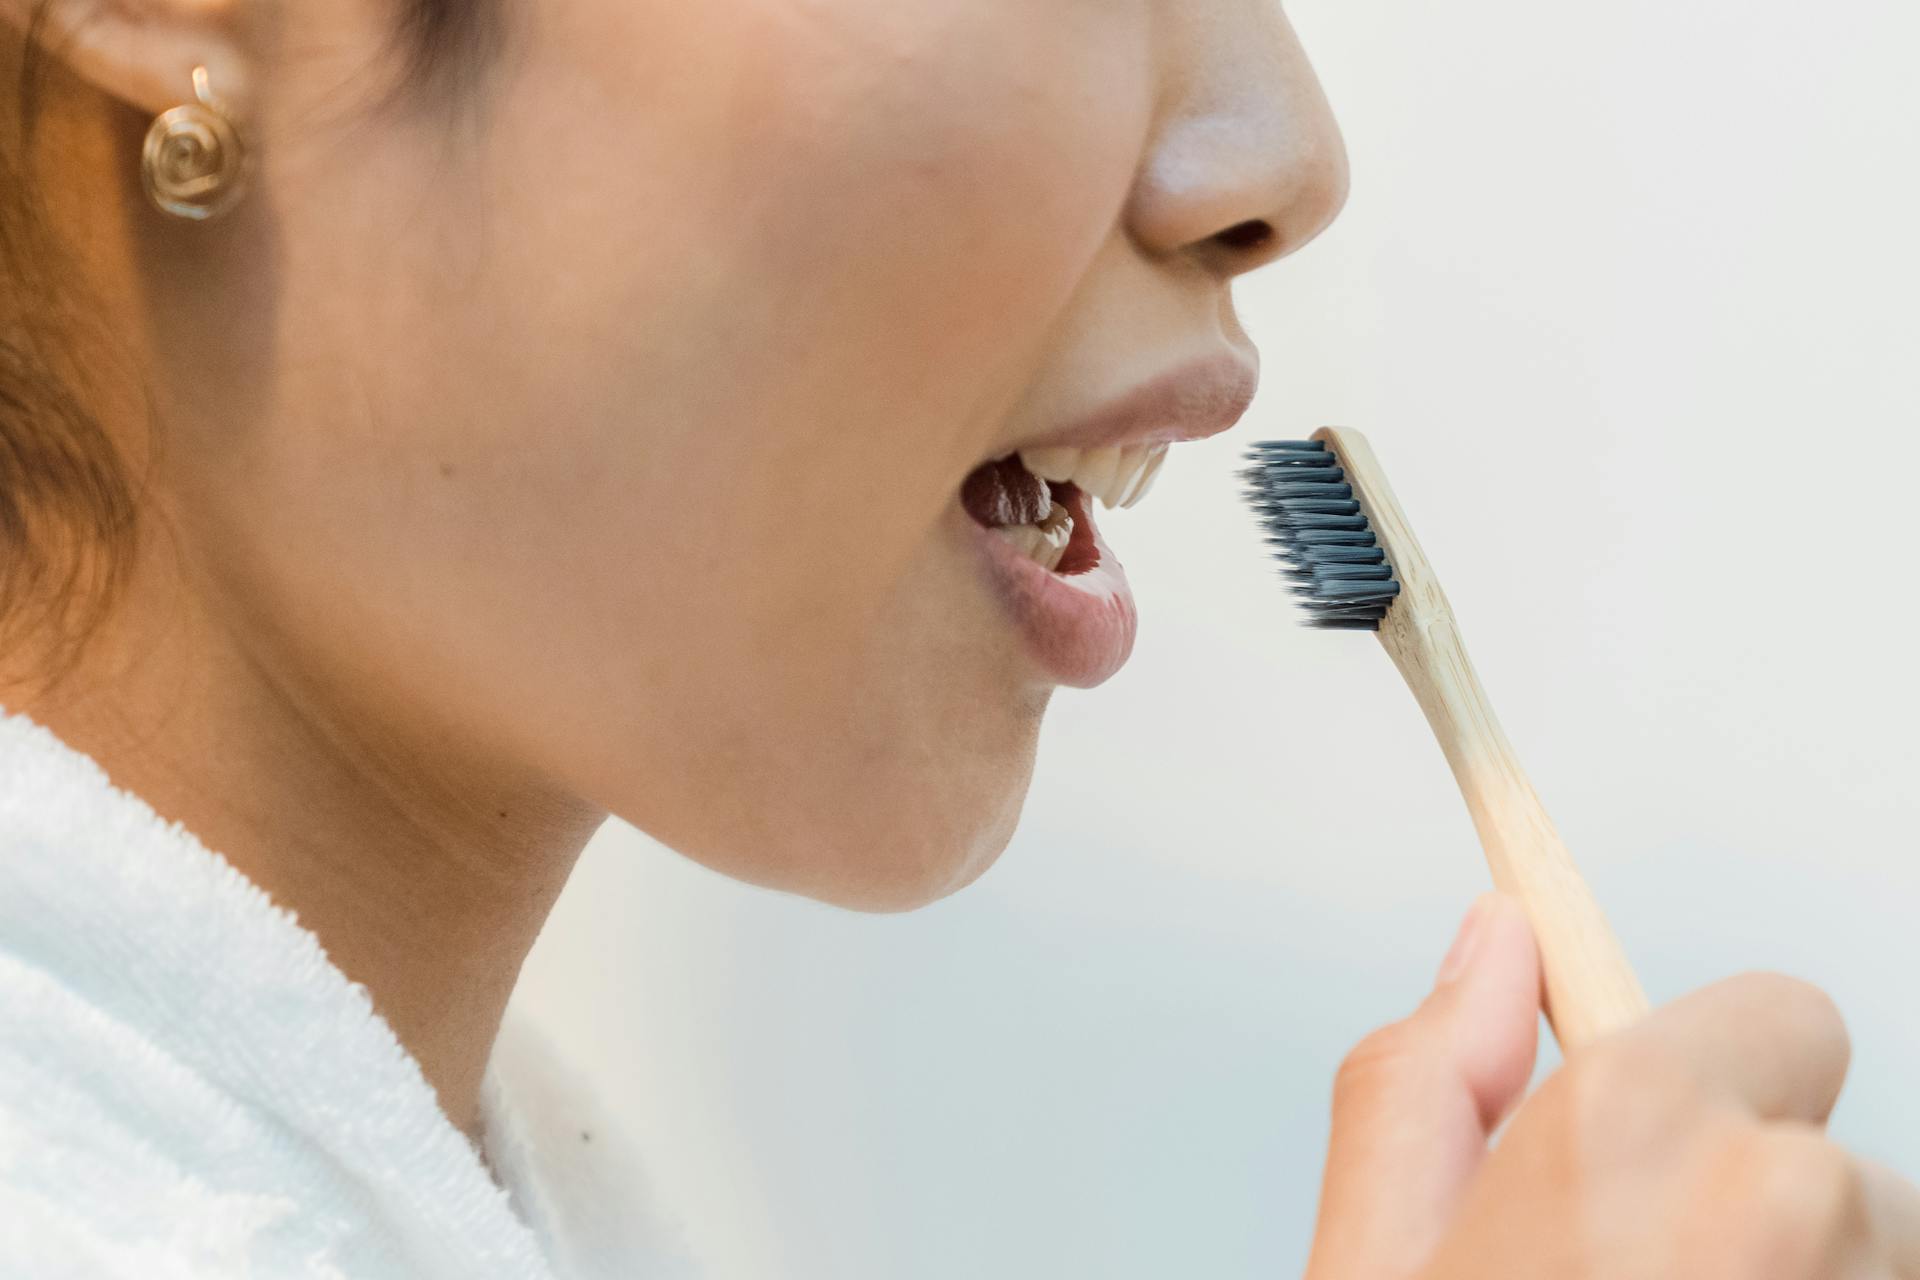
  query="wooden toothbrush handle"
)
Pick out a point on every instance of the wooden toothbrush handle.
point(1590, 988)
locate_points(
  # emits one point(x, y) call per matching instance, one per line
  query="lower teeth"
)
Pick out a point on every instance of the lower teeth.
point(1043, 542)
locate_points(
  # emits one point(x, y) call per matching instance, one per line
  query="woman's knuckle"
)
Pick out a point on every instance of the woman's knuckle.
point(1377, 1053)
point(1811, 1183)
point(1797, 1197)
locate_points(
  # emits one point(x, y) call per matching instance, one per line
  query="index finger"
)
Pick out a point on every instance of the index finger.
point(1773, 1045)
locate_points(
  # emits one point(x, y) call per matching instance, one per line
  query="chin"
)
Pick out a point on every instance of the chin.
point(915, 859)
point(926, 871)
point(892, 845)
point(938, 830)
point(896, 811)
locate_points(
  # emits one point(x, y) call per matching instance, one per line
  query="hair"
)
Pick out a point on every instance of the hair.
point(69, 510)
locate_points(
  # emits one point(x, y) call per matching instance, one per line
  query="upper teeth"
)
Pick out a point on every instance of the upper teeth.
point(1119, 477)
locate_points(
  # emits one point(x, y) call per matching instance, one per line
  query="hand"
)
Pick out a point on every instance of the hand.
point(1688, 1147)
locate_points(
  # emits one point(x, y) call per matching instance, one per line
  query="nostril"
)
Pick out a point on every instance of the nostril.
point(1245, 237)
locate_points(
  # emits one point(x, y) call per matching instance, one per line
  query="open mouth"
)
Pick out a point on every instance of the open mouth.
point(1028, 514)
point(1038, 500)
point(1064, 588)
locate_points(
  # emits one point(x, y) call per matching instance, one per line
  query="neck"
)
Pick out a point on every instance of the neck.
point(424, 868)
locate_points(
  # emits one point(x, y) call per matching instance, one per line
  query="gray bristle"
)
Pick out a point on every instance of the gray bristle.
point(1336, 569)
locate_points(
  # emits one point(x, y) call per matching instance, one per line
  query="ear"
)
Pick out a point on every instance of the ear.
point(142, 52)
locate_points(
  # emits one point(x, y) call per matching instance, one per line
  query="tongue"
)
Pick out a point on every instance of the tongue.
point(1004, 492)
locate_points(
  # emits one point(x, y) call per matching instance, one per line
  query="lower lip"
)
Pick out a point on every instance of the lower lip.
point(1079, 629)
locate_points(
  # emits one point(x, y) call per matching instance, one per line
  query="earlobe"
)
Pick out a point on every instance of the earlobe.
point(142, 52)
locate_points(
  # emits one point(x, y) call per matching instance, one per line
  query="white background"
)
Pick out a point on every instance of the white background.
point(1625, 297)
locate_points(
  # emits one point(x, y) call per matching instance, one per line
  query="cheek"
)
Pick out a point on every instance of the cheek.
point(937, 182)
point(813, 251)
point(909, 195)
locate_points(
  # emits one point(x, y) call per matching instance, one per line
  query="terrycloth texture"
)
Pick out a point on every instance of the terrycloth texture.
point(189, 1088)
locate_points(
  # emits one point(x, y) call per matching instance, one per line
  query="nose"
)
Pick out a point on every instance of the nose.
point(1245, 163)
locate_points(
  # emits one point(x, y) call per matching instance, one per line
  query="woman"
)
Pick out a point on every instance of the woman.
point(431, 426)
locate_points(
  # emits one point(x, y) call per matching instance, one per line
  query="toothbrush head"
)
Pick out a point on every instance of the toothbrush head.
point(1341, 576)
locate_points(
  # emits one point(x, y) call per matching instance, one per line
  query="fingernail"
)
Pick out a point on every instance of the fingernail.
point(1466, 942)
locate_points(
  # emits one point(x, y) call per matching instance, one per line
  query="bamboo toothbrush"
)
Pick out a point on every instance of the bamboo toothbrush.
point(1355, 565)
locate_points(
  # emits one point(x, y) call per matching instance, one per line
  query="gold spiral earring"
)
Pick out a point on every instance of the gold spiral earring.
point(194, 162)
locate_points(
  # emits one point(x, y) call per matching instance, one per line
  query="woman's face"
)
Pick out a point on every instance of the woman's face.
point(617, 421)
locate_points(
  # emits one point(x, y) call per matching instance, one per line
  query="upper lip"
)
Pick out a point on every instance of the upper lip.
point(1190, 401)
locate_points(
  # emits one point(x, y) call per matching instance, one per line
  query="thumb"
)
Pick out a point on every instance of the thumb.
point(1415, 1102)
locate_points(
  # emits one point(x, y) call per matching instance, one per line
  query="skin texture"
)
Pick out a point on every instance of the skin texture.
point(1689, 1147)
point(588, 442)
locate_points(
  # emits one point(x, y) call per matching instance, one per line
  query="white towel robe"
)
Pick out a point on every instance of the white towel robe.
point(189, 1088)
